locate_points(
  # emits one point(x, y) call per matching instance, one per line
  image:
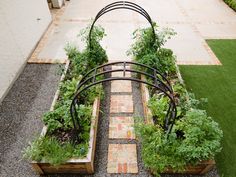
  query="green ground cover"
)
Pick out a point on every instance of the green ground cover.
point(218, 84)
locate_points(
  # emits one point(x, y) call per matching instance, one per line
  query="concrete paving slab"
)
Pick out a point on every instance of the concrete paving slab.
point(82, 10)
point(66, 32)
point(208, 11)
point(217, 31)
point(189, 46)
point(118, 40)
point(87, 10)
point(162, 11)
point(188, 18)
point(12, 60)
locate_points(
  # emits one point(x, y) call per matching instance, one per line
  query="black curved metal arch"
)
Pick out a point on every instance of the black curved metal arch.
point(161, 86)
point(130, 70)
point(122, 5)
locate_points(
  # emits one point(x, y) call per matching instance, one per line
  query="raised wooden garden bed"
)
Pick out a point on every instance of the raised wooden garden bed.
point(73, 165)
point(201, 168)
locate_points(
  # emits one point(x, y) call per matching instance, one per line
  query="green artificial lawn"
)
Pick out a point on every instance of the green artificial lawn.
point(218, 84)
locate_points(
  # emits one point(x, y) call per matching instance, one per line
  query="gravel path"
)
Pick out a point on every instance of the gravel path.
point(20, 116)
point(103, 140)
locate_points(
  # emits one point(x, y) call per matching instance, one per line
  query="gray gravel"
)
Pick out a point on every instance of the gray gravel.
point(20, 116)
point(103, 141)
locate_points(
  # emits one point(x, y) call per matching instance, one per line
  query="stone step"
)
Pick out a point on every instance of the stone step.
point(122, 158)
point(121, 104)
point(121, 86)
point(121, 128)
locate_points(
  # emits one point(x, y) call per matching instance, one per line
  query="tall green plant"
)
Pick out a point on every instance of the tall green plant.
point(149, 50)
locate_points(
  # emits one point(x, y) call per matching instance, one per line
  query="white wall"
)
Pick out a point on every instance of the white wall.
point(22, 23)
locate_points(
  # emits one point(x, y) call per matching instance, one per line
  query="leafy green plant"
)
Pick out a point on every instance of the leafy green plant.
point(158, 104)
point(199, 140)
point(49, 149)
point(84, 119)
point(87, 97)
point(58, 118)
point(149, 50)
point(158, 152)
point(68, 88)
point(202, 136)
point(93, 55)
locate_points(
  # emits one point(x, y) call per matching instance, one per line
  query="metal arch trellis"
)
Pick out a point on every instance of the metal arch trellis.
point(156, 81)
point(122, 5)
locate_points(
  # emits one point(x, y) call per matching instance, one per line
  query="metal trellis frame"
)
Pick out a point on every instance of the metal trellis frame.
point(155, 80)
point(121, 5)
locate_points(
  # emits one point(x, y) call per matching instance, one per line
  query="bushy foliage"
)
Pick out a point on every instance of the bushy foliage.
point(149, 50)
point(158, 104)
point(93, 55)
point(195, 137)
point(201, 136)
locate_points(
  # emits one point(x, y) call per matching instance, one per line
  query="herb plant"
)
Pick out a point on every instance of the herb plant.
point(149, 50)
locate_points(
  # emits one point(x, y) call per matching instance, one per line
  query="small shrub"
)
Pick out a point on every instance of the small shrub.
point(158, 104)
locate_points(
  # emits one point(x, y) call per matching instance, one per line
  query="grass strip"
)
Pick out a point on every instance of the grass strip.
point(218, 84)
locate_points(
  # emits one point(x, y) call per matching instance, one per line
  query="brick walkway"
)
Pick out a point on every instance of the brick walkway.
point(122, 158)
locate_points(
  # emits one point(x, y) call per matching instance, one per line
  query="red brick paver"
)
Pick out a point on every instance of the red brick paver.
point(121, 128)
point(122, 158)
point(121, 86)
point(121, 104)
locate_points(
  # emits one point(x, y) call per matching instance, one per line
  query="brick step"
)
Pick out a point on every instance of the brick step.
point(121, 104)
point(122, 158)
point(121, 128)
point(121, 86)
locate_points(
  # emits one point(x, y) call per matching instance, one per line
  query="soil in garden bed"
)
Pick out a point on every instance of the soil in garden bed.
point(63, 135)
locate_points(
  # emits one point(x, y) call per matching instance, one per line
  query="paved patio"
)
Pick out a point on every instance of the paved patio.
point(194, 21)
